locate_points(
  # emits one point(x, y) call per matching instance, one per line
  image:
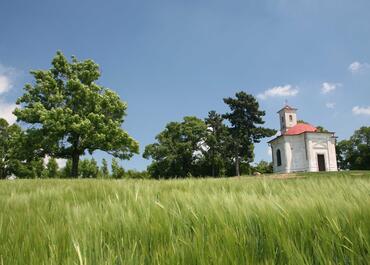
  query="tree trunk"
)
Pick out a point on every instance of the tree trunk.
point(237, 161)
point(213, 163)
point(75, 161)
point(237, 168)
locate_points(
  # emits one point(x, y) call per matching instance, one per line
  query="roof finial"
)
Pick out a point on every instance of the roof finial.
point(286, 102)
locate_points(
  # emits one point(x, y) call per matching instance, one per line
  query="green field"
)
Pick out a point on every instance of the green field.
point(311, 219)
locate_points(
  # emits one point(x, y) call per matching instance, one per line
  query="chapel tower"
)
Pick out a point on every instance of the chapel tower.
point(288, 118)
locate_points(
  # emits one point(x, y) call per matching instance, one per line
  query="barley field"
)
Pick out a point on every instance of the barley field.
point(306, 219)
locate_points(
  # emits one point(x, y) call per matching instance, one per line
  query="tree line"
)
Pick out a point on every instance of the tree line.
point(219, 145)
point(66, 114)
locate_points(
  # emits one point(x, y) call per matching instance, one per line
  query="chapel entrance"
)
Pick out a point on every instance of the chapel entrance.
point(321, 162)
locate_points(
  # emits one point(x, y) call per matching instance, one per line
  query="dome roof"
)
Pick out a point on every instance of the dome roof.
point(300, 128)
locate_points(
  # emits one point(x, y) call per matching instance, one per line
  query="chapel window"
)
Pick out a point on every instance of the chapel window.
point(278, 157)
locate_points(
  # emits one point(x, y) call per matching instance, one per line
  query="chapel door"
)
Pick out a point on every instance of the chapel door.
point(321, 162)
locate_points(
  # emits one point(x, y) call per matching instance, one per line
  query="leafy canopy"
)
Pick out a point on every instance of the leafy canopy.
point(354, 153)
point(17, 154)
point(71, 113)
point(217, 140)
point(245, 118)
point(9, 136)
point(178, 148)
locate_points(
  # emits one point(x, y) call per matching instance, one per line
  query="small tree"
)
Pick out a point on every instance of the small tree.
point(217, 140)
point(104, 169)
point(52, 168)
point(117, 171)
point(71, 114)
point(89, 168)
point(66, 171)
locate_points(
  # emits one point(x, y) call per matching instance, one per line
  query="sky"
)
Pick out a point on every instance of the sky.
point(169, 59)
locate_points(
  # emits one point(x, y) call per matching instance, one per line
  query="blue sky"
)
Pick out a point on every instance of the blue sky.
point(170, 59)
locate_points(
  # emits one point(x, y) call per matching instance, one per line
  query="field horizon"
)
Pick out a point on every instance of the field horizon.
point(303, 218)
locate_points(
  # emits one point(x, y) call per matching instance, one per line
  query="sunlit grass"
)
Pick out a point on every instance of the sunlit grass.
point(312, 219)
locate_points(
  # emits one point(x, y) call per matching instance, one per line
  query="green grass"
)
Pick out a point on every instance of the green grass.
point(313, 219)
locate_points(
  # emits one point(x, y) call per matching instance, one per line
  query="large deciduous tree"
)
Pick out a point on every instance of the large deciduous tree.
point(71, 114)
point(245, 119)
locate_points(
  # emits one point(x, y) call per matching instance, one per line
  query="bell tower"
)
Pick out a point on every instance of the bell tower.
point(288, 118)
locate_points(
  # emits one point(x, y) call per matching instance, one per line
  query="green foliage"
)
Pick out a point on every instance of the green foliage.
point(66, 172)
point(245, 118)
point(302, 121)
point(117, 171)
point(88, 168)
point(354, 153)
point(104, 171)
point(321, 129)
point(69, 113)
point(263, 167)
point(178, 149)
point(7, 134)
point(52, 168)
point(134, 174)
point(315, 219)
point(202, 148)
point(17, 152)
point(217, 140)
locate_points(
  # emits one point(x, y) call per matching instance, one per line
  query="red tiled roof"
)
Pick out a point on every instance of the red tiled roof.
point(300, 128)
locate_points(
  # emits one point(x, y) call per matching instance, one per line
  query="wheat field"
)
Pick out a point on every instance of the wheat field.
point(307, 219)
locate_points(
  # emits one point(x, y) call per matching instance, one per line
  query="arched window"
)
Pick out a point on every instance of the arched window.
point(278, 157)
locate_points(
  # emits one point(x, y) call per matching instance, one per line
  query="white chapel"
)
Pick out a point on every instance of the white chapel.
point(301, 147)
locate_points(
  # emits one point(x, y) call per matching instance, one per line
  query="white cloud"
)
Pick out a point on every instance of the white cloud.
point(6, 112)
point(5, 83)
point(279, 91)
point(357, 67)
point(60, 161)
point(7, 77)
point(329, 87)
point(330, 105)
point(361, 110)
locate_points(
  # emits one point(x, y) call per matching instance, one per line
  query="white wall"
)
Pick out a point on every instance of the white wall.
point(322, 143)
point(293, 154)
point(299, 152)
